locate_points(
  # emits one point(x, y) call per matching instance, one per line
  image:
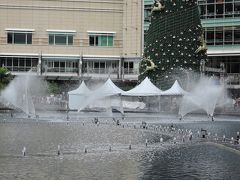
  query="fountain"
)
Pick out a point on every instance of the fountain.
point(20, 92)
point(85, 140)
point(206, 96)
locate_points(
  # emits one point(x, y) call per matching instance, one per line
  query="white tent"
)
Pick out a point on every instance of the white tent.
point(108, 89)
point(145, 88)
point(108, 95)
point(175, 90)
point(82, 89)
point(77, 96)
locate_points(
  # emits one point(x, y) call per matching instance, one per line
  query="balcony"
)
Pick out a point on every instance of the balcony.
point(233, 80)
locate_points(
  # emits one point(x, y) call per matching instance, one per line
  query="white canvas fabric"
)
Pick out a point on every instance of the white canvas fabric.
point(175, 90)
point(77, 96)
point(145, 88)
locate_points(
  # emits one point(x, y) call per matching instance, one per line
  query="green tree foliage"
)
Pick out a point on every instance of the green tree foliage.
point(174, 43)
point(53, 88)
point(5, 77)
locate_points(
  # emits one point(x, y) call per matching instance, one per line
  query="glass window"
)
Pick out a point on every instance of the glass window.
point(237, 9)
point(228, 10)
point(91, 40)
point(28, 62)
point(15, 61)
point(70, 39)
point(202, 10)
point(219, 36)
point(29, 38)
point(219, 10)
point(210, 11)
point(102, 64)
point(210, 1)
point(101, 40)
point(96, 41)
point(228, 36)
point(237, 35)
point(210, 36)
point(96, 64)
point(9, 38)
point(51, 39)
point(9, 61)
point(56, 64)
point(110, 40)
point(60, 39)
point(21, 61)
point(19, 38)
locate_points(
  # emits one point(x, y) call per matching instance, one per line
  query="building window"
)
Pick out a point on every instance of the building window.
point(101, 39)
point(60, 39)
point(128, 67)
point(223, 35)
point(19, 38)
point(19, 64)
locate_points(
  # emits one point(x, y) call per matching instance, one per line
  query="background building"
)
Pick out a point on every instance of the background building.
point(221, 22)
point(62, 39)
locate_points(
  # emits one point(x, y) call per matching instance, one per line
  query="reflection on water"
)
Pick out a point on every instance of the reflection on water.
point(190, 161)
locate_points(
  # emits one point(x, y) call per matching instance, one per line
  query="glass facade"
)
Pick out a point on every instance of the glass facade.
point(222, 35)
point(100, 67)
point(222, 30)
point(19, 64)
point(219, 8)
point(60, 65)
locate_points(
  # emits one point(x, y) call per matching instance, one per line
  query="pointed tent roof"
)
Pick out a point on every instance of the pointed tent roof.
point(108, 89)
point(82, 89)
point(174, 90)
point(145, 88)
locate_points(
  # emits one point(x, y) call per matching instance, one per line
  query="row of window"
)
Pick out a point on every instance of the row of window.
point(60, 39)
point(231, 63)
point(216, 1)
point(222, 35)
point(26, 63)
point(219, 10)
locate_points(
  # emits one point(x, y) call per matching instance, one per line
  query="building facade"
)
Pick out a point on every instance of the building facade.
point(221, 23)
point(72, 39)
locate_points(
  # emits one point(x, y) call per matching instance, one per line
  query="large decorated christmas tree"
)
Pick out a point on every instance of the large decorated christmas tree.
point(174, 43)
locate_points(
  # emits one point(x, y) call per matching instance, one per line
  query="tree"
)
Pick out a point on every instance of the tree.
point(174, 44)
point(53, 88)
point(5, 77)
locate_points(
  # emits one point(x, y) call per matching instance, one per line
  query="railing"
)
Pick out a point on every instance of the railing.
point(101, 71)
point(60, 70)
point(21, 68)
point(130, 71)
point(209, 69)
point(233, 79)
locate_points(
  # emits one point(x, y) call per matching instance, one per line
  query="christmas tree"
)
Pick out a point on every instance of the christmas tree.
point(174, 43)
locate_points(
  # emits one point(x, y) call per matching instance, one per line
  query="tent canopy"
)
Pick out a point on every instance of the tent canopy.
point(145, 88)
point(175, 90)
point(78, 96)
point(108, 89)
point(82, 89)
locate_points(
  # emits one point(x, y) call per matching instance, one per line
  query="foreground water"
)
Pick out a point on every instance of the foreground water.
point(197, 160)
